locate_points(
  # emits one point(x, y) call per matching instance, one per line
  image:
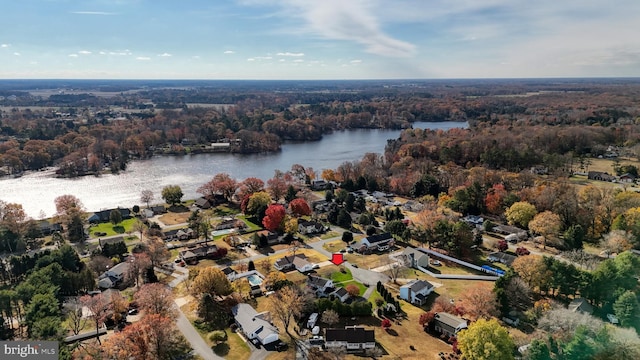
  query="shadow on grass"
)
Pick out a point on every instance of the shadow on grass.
point(391, 332)
point(221, 349)
point(118, 229)
point(178, 208)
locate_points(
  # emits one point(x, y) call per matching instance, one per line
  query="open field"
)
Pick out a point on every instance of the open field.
point(125, 226)
point(172, 218)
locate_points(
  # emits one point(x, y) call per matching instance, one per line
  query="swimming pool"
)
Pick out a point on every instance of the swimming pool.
point(254, 279)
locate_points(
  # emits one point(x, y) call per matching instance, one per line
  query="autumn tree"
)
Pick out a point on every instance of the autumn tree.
point(547, 224)
point(221, 183)
point(99, 307)
point(286, 304)
point(156, 298)
point(71, 212)
point(258, 202)
point(531, 269)
point(520, 214)
point(172, 194)
point(486, 340)
point(299, 207)
point(146, 196)
point(274, 215)
point(290, 225)
point(250, 186)
point(330, 317)
point(138, 265)
point(353, 290)
point(277, 186)
point(75, 319)
point(479, 302)
point(211, 281)
point(493, 201)
point(616, 241)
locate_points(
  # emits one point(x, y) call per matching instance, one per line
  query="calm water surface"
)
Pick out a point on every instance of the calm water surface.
point(36, 191)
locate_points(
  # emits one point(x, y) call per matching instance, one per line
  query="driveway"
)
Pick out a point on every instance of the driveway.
point(193, 337)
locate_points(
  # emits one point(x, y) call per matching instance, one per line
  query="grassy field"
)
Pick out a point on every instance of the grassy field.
point(125, 226)
point(172, 218)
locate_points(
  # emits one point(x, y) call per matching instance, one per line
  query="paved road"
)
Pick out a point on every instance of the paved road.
point(191, 334)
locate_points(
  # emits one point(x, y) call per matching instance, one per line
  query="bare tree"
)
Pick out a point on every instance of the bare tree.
point(76, 321)
point(146, 196)
point(287, 304)
point(98, 307)
point(393, 268)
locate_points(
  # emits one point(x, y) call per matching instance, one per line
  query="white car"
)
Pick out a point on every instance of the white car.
point(612, 318)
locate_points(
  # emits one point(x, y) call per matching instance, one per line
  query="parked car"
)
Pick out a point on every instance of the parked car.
point(436, 263)
point(612, 318)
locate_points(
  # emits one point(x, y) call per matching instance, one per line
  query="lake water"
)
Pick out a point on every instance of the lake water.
point(36, 191)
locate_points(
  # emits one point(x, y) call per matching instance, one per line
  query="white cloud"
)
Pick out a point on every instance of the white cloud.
point(143, 58)
point(229, 52)
point(263, 57)
point(102, 53)
point(92, 13)
point(121, 53)
point(282, 60)
point(73, 55)
point(298, 61)
point(352, 20)
point(251, 59)
point(357, 61)
point(195, 57)
point(84, 52)
point(290, 54)
point(16, 54)
point(165, 55)
point(4, 45)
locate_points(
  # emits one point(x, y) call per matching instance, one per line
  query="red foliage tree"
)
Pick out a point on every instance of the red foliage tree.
point(299, 207)
point(274, 215)
point(503, 245)
point(494, 198)
point(353, 290)
point(221, 183)
point(250, 185)
point(386, 323)
point(426, 318)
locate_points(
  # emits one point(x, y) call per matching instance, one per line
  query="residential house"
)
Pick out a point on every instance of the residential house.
point(508, 230)
point(191, 256)
point(416, 259)
point(298, 262)
point(230, 273)
point(350, 338)
point(320, 185)
point(627, 178)
point(255, 325)
point(114, 276)
point(178, 234)
point(158, 209)
point(448, 324)
point(311, 227)
point(230, 223)
point(600, 176)
point(47, 228)
point(103, 216)
point(202, 203)
point(380, 242)
point(502, 257)
point(416, 291)
point(580, 305)
point(320, 284)
point(341, 294)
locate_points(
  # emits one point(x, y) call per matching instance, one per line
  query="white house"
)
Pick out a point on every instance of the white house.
point(416, 291)
point(320, 284)
point(342, 294)
point(255, 325)
point(350, 338)
point(113, 276)
point(310, 227)
point(416, 259)
point(380, 242)
point(448, 324)
point(298, 262)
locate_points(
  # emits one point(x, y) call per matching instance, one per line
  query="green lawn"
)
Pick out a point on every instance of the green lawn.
point(339, 276)
point(359, 285)
point(252, 226)
point(124, 227)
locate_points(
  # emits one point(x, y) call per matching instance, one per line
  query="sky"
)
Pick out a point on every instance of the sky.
point(318, 39)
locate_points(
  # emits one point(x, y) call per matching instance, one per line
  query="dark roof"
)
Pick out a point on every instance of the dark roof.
point(341, 292)
point(379, 238)
point(288, 260)
point(200, 252)
point(159, 209)
point(504, 258)
point(111, 240)
point(202, 203)
point(353, 335)
point(228, 271)
point(418, 285)
point(317, 281)
point(104, 215)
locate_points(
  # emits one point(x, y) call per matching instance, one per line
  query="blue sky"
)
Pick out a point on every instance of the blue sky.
point(318, 39)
